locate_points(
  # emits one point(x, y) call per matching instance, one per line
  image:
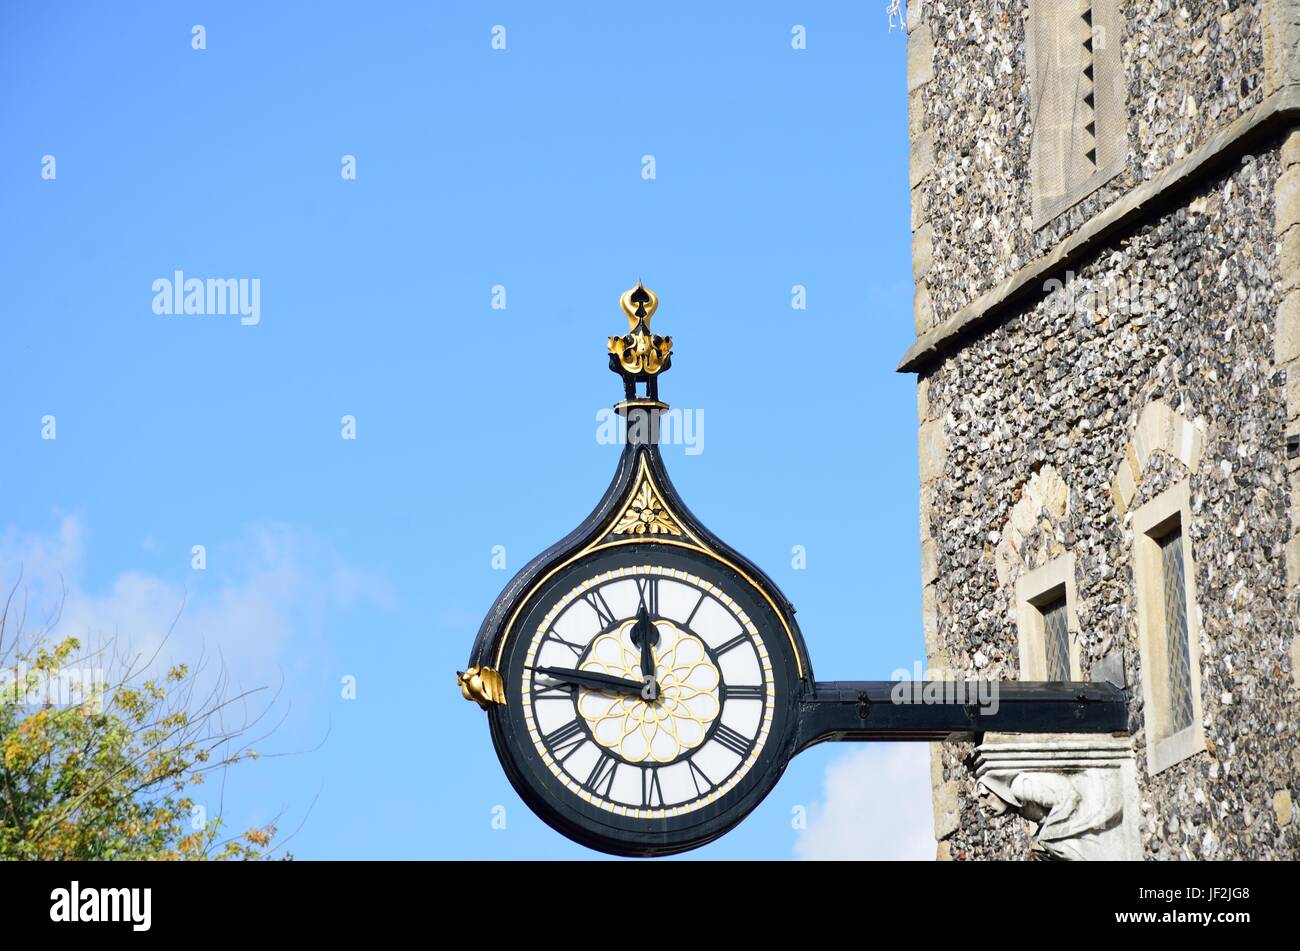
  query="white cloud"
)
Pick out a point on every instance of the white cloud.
point(260, 606)
point(876, 806)
point(42, 558)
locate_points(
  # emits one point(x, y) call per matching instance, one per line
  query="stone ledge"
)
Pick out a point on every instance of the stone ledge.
point(1274, 114)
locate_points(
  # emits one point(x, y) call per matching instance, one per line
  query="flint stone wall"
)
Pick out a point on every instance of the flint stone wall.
point(1062, 385)
point(1190, 69)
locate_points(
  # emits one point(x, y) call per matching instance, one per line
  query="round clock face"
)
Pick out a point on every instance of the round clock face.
point(648, 699)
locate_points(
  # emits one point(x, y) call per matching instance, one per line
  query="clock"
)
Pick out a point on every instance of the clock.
point(646, 685)
point(641, 677)
point(651, 714)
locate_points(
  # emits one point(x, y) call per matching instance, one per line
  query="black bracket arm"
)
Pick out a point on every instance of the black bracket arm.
point(846, 710)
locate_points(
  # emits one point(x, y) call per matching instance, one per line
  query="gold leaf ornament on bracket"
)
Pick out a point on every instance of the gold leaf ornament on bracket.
point(483, 685)
point(645, 514)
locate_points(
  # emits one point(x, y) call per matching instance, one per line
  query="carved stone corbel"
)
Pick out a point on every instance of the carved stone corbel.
point(1080, 789)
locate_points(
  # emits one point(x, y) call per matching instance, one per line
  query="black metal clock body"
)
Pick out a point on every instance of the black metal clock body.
point(646, 684)
point(609, 768)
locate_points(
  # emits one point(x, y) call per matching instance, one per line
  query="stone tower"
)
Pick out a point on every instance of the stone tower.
point(1106, 248)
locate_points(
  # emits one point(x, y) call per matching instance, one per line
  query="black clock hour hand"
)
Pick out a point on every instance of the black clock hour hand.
point(645, 631)
point(589, 678)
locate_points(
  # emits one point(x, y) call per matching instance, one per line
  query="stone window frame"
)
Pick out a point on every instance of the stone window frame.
point(1087, 106)
point(1151, 522)
point(1033, 589)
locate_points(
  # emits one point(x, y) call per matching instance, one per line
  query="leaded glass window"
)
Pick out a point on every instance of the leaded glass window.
point(1176, 643)
point(1056, 639)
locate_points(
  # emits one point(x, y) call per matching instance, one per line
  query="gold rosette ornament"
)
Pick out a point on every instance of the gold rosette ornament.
point(645, 514)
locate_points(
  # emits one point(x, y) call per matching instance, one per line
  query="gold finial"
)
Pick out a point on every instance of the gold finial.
point(639, 353)
point(483, 685)
point(639, 303)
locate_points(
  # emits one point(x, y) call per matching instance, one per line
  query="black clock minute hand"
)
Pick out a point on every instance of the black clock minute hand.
point(589, 678)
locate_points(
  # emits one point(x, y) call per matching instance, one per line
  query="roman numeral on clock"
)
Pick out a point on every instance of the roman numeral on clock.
point(691, 617)
point(563, 740)
point(701, 780)
point(741, 638)
point(648, 589)
point(745, 692)
point(601, 777)
point(543, 691)
point(733, 740)
point(652, 793)
point(576, 648)
point(604, 614)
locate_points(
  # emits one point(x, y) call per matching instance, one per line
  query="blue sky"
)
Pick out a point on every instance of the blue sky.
point(475, 427)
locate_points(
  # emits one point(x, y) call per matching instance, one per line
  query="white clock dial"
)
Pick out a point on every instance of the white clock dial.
point(709, 713)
